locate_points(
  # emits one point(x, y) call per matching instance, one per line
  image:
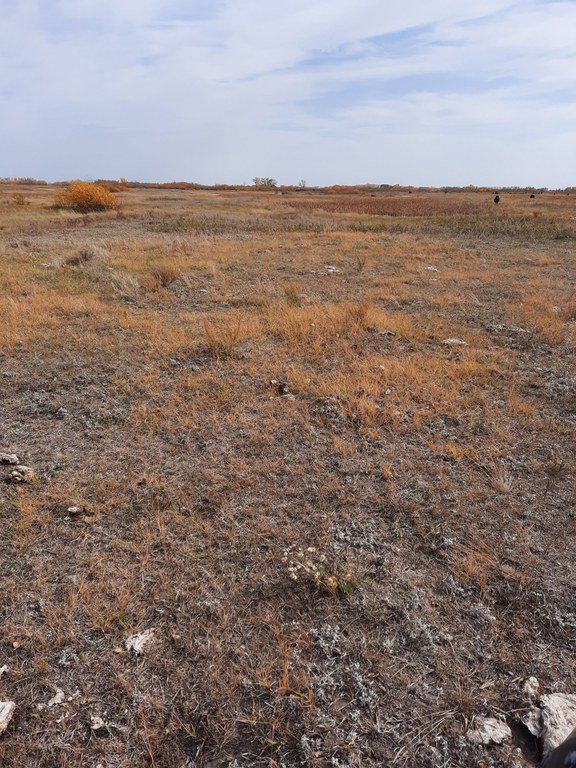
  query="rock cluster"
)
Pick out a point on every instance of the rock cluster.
point(18, 473)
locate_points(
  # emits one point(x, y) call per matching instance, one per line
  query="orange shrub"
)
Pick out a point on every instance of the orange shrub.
point(85, 197)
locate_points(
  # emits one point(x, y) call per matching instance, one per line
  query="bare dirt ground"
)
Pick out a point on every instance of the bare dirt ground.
point(349, 532)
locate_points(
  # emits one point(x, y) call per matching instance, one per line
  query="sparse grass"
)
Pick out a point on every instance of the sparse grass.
point(397, 205)
point(568, 308)
point(293, 295)
point(523, 228)
point(261, 390)
point(541, 316)
point(239, 226)
point(19, 199)
point(224, 335)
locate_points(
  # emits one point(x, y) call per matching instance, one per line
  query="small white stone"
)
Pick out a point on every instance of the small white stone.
point(22, 474)
point(6, 711)
point(137, 642)
point(97, 724)
point(9, 458)
point(58, 698)
point(455, 342)
point(489, 730)
point(531, 687)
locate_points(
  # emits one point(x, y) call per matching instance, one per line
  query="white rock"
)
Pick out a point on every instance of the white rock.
point(22, 474)
point(6, 711)
point(455, 342)
point(137, 642)
point(531, 687)
point(58, 698)
point(97, 724)
point(3, 669)
point(9, 458)
point(489, 730)
point(533, 721)
point(558, 718)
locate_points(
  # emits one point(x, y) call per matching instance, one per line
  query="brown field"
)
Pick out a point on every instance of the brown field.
point(348, 537)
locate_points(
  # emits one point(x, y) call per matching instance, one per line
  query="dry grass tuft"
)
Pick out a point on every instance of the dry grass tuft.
point(162, 278)
point(87, 254)
point(224, 335)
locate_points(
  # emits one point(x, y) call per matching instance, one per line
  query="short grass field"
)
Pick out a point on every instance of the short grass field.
point(320, 444)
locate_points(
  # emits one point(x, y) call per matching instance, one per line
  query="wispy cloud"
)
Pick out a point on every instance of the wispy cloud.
point(329, 90)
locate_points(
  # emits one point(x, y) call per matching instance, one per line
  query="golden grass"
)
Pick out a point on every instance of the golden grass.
point(541, 316)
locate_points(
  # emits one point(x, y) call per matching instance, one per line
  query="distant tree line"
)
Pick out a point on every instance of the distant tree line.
point(21, 180)
point(265, 183)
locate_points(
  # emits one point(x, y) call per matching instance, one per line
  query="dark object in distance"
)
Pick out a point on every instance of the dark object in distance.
point(531, 196)
point(497, 199)
point(564, 756)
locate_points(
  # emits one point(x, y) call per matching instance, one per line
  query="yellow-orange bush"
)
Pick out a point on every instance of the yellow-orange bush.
point(85, 197)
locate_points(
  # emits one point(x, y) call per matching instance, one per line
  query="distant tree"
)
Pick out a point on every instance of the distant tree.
point(302, 183)
point(264, 181)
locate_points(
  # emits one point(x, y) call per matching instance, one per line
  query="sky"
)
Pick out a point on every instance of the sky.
point(422, 92)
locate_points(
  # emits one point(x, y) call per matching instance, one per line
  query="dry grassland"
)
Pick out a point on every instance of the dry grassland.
point(348, 536)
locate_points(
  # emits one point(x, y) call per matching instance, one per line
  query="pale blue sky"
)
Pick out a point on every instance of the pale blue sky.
point(332, 91)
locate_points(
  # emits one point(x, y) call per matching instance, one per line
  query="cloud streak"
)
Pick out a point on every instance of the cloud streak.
point(329, 90)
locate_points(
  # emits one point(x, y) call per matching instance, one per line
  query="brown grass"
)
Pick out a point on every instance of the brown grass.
point(401, 205)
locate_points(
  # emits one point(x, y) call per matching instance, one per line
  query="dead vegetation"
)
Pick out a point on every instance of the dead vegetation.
point(394, 205)
point(85, 197)
point(249, 434)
